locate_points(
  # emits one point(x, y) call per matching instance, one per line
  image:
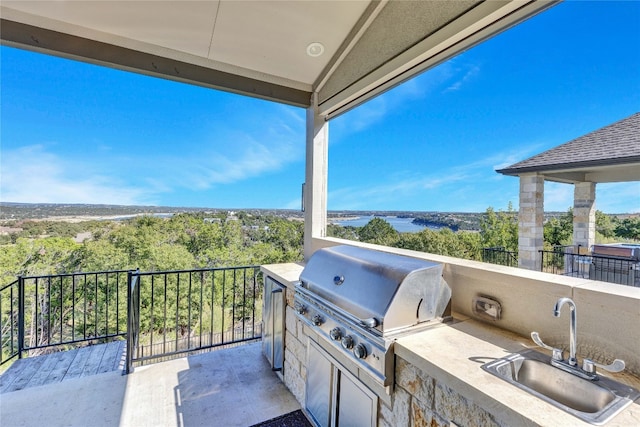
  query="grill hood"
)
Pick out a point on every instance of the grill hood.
point(397, 291)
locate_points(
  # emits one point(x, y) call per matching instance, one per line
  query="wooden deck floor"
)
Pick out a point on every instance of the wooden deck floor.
point(57, 367)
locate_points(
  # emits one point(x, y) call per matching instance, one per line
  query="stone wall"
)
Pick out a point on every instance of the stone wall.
point(419, 400)
point(295, 352)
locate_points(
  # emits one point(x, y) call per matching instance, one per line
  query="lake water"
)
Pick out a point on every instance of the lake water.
point(403, 225)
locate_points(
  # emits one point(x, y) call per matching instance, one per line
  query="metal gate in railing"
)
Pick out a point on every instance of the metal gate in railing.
point(179, 312)
point(40, 314)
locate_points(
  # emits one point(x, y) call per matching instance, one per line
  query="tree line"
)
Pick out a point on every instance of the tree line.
point(206, 240)
point(188, 241)
point(183, 241)
point(497, 229)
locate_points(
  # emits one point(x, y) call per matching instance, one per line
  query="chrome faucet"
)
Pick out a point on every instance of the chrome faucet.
point(588, 370)
point(572, 327)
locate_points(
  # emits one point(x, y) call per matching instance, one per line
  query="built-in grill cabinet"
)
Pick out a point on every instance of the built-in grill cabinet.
point(356, 302)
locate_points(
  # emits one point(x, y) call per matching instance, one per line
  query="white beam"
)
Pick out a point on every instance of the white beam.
point(315, 189)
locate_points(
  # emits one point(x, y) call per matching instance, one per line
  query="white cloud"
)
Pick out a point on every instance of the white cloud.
point(395, 189)
point(140, 175)
point(468, 74)
point(31, 174)
point(244, 157)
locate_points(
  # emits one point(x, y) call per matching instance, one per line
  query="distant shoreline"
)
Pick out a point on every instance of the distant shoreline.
point(82, 218)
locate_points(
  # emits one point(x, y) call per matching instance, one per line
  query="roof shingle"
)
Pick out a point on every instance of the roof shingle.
point(615, 144)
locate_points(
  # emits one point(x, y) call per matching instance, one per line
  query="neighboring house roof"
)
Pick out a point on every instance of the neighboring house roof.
point(609, 154)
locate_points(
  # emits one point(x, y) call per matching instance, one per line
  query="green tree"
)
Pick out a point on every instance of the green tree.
point(378, 231)
point(347, 232)
point(559, 231)
point(464, 245)
point(606, 225)
point(500, 229)
point(629, 228)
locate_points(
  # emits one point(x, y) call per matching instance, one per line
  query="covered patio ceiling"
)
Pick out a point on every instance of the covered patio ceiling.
point(333, 55)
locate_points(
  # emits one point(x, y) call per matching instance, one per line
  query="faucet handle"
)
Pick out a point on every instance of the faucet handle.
point(557, 353)
point(589, 365)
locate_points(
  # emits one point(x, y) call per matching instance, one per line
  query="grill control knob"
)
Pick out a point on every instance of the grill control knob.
point(335, 334)
point(347, 342)
point(317, 320)
point(301, 308)
point(360, 351)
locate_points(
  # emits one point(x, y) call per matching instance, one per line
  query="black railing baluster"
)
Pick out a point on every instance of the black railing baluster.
point(36, 319)
point(73, 308)
point(244, 301)
point(84, 302)
point(213, 305)
point(21, 316)
point(106, 305)
point(177, 309)
point(201, 307)
point(233, 306)
point(222, 303)
point(117, 303)
point(189, 314)
point(95, 306)
point(61, 311)
point(153, 319)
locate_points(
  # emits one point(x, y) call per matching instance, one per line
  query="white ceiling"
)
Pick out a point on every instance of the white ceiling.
point(258, 48)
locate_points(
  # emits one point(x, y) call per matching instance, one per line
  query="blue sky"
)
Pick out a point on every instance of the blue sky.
point(78, 133)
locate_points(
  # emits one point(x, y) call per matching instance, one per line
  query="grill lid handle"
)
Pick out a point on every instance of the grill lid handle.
point(371, 322)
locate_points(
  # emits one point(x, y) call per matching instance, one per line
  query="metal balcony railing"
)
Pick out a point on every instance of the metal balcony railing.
point(562, 260)
point(160, 314)
point(567, 261)
point(501, 256)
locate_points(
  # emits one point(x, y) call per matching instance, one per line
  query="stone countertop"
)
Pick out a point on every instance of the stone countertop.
point(286, 274)
point(453, 354)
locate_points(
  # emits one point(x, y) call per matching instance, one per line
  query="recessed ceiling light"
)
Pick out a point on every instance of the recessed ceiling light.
point(315, 49)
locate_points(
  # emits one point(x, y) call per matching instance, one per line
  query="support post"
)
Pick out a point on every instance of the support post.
point(133, 317)
point(316, 167)
point(21, 317)
point(584, 214)
point(531, 221)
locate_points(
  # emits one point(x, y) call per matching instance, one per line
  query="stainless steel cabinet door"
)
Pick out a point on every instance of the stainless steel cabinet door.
point(334, 397)
point(319, 387)
point(357, 405)
point(273, 323)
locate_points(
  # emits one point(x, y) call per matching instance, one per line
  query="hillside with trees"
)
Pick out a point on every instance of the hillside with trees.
point(183, 241)
point(207, 239)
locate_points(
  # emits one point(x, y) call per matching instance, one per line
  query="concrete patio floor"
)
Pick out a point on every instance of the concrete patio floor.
point(230, 387)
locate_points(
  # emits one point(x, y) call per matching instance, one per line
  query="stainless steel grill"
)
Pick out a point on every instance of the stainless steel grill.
point(616, 263)
point(359, 301)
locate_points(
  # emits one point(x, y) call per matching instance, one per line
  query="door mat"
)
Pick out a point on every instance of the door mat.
point(292, 419)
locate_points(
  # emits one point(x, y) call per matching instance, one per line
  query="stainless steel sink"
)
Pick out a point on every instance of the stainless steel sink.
point(595, 402)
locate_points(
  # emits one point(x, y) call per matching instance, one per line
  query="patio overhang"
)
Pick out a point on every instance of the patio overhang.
point(601, 171)
point(284, 51)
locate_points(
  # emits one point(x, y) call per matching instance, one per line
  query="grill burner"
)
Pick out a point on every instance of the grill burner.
point(359, 301)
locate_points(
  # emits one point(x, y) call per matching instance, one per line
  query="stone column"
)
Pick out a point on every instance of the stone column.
point(531, 221)
point(315, 187)
point(584, 215)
